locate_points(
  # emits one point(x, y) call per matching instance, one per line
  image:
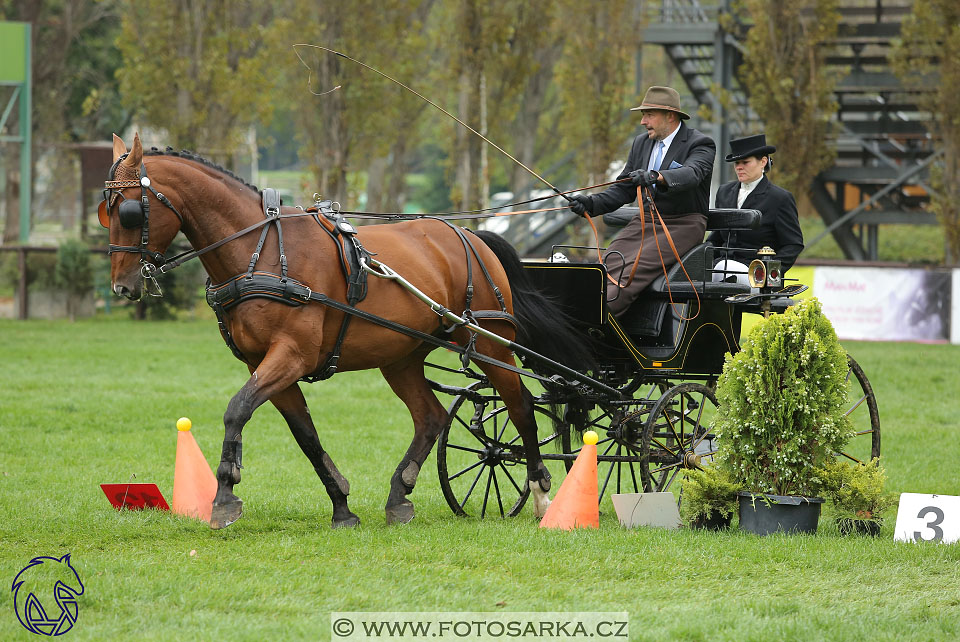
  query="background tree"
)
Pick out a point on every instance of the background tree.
point(369, 123)
point(789, 85)
point(927, 59)
point(201, 70)
point(597, 72)
point(74, 91)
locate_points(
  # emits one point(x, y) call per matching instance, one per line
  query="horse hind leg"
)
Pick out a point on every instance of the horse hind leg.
point(408, 382)
point(519, 403)
point(293, 408)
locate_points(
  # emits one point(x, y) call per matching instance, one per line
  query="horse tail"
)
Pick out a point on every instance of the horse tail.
point(544, 326)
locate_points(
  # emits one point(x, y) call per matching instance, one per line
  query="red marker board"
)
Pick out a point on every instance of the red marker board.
point(134, 496)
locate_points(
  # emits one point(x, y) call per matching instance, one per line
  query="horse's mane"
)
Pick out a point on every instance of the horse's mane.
point(188, 155)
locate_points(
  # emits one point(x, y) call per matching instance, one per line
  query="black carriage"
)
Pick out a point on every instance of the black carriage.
point(663, 358)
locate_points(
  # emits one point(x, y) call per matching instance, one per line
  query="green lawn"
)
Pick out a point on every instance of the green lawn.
point(97, 401)
point(898, 243)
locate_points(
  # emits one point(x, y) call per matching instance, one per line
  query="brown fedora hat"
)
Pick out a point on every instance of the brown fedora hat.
point(749, 146)
point(666, 98)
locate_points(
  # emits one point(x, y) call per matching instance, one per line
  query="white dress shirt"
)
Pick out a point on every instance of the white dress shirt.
point(666, 146)
point(745, 189)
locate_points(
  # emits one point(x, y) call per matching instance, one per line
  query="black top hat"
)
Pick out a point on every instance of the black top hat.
point(749, 146)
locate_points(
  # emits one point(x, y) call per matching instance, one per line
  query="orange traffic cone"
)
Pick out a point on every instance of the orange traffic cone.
point(577, 502)
point(194, 485)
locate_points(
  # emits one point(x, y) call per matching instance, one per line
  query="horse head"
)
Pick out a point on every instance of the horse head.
point(143, 216)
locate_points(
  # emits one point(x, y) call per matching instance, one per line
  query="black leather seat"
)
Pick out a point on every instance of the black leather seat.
point(645, 317)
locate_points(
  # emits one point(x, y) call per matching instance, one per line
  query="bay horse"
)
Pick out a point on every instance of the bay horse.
point(152, 196)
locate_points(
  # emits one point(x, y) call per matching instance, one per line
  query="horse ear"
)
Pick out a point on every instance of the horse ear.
point(119, 149)
point(135, 156)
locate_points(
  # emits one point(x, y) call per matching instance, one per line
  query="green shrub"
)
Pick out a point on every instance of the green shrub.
point(707, 491)
point(73, 270)
point(41, 270)
point(856, 490)
point(782, 402)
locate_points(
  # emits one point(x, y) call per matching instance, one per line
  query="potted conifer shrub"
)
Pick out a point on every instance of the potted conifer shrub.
point(858, 494)
point(709, 498)
point(781, 416)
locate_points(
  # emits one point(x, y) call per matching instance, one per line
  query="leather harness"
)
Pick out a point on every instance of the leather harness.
point(353, 257)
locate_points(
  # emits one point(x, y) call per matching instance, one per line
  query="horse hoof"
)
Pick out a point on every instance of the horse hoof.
point(400, 514)
point(349, 522)
point(225, 514)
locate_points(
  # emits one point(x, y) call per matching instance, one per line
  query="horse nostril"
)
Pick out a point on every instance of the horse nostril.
point(121, 290)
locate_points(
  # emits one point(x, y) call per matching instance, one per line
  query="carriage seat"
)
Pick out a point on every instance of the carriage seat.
point(645, 317)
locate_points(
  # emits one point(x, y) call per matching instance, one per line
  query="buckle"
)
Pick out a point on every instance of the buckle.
point(306, 297)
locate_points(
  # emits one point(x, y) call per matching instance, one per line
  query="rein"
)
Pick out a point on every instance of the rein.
point(480, 213)
point(645, 195)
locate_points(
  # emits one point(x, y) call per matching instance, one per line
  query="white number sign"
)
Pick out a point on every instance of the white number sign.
point(928, 518)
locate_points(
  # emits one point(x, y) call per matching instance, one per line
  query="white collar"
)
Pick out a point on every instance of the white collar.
point(669, 139)
point(748, 187)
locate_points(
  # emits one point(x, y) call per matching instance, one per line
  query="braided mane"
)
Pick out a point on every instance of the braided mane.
point(188, 155)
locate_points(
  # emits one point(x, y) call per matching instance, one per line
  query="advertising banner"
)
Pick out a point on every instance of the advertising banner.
point(886, 304)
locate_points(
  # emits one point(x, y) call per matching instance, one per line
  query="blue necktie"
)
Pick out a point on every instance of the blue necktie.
point(659, 157)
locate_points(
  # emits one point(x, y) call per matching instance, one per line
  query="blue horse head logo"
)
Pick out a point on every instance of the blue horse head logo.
point(45, 595)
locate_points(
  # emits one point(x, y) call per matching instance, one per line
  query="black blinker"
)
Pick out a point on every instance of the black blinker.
point(131, 213)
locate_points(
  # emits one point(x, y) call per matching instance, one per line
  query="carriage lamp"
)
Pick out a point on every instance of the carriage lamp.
point(757, 274)
point(765, 272)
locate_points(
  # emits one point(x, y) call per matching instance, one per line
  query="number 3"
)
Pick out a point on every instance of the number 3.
point(938, 518)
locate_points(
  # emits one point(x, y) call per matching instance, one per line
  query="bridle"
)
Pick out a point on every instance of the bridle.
point(133, 214)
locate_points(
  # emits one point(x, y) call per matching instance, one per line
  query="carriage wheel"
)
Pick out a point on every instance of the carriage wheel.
point(677, 434)
point(480, 457)
point(619, 447)
point(864, 416)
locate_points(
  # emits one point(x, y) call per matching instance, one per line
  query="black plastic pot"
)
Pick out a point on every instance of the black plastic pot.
point(717, 522)
point(765, 514)
point(852, 526)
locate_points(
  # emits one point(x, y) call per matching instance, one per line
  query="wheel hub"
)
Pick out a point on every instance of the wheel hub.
point(691, 459)
point(491, 455)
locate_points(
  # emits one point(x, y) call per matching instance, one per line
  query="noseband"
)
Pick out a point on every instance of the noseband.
point(133, 214)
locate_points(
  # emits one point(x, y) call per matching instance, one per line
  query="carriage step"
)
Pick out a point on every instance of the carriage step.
point(749, 297)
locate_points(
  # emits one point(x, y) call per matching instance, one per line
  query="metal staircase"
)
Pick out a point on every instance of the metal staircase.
point(883, 146)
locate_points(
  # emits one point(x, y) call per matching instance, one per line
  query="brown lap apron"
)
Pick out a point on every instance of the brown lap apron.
point(687, 232)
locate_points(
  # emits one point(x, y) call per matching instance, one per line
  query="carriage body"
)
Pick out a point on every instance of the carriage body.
point(664, 356)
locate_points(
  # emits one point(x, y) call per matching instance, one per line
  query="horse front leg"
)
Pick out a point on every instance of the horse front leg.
point(272, 375)
point(293, 408)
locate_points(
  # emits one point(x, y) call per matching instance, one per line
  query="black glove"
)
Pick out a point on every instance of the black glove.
point(644, 177)
point(581, 204)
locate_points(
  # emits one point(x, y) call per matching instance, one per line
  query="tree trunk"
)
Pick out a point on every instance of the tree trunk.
point(484, 167)
point(376, 171)
point(463, 145)
point(396, 196)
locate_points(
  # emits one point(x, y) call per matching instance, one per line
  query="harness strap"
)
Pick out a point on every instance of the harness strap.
point(468, 247)
point(265, 285)
point(486, 273)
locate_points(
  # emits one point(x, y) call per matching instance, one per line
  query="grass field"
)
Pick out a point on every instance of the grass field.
point(96, 401)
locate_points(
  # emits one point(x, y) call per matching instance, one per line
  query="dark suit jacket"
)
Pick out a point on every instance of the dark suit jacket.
point(688, 187)
point(779, 225)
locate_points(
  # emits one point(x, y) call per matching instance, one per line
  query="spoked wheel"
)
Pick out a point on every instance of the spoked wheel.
point(864, 416)
point(676, 434)
point(480, 456)
point(620, 445)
